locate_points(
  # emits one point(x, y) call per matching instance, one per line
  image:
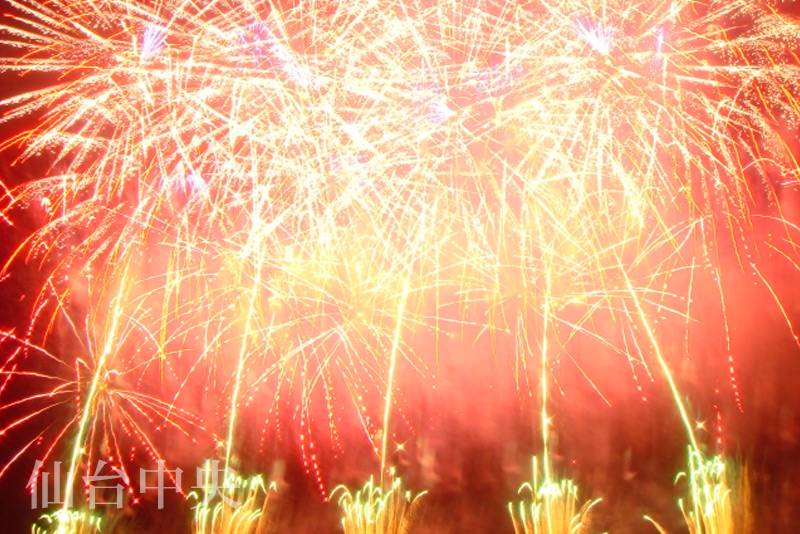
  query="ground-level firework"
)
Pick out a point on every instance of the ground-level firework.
point(337, 237)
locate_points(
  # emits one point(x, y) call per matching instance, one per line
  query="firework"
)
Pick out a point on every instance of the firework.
point(67, 522)
point(243, 506)
point(375, 510)
point(293, 207)
point(719, 497)
point(552, 508)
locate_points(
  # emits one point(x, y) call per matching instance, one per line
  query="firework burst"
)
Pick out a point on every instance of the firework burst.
point(255, 204)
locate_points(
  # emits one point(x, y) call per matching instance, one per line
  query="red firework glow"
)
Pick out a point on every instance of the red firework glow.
point(385, 234)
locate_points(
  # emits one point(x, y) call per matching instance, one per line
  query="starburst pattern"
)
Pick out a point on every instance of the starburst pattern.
point(259, 204)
